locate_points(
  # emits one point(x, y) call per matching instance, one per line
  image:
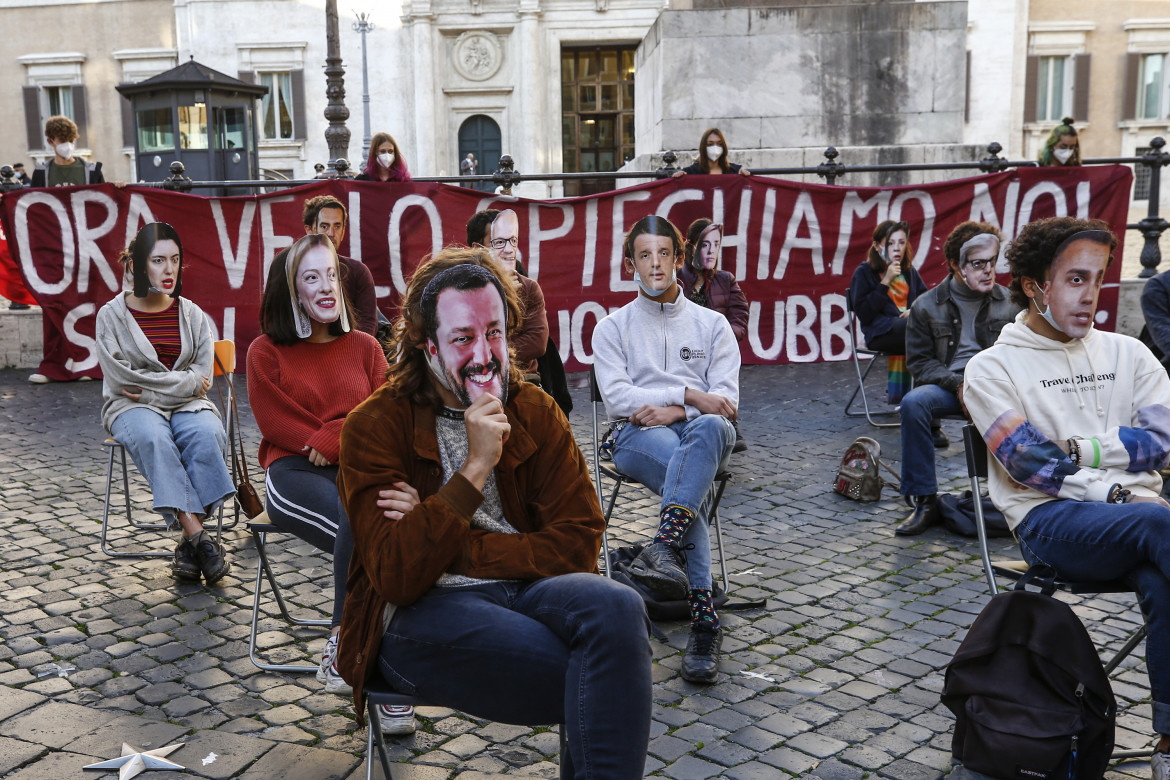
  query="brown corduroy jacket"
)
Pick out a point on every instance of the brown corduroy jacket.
point(545, 490)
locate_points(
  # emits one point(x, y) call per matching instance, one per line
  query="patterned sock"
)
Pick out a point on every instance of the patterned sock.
point(702, 610)
point(674, 523)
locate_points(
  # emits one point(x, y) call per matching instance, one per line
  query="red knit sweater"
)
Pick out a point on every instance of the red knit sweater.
point(300, 393)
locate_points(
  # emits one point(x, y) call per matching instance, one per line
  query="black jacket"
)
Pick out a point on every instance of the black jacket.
point(932, 335)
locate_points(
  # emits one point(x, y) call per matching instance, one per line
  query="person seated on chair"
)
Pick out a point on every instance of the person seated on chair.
point(1156, 310)
point(705, 283)
point(947, 326)
point(306, 371)
point(157, 357)
point(676, 398)
point(481, 593)
point(1078, 423)
point(884, 288)
point(325, 215)
point(531, 339)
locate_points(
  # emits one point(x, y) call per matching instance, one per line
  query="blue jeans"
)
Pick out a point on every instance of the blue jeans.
point(679, 463)
point(572, 649)
point(1090, 542)
point(920, 407)
point(182, 459)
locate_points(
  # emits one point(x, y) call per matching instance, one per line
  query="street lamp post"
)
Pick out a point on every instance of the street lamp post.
point(337, 134)
point(363, 25)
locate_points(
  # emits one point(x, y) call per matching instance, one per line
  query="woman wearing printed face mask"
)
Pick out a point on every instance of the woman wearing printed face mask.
point(1063, 147)
point(156, 353)
point(713, 157)
point(884, 287)
point(305, 373)
point(385, 162)
point(705, 284)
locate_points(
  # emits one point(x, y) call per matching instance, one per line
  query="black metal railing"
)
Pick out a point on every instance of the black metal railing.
point(1152, 226)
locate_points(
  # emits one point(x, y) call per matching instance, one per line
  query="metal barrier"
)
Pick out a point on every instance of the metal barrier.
point(506, 176)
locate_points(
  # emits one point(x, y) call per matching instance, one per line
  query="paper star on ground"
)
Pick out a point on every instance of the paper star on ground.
point(135, 761)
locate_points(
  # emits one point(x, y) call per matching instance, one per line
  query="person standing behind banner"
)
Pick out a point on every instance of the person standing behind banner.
point(385, 162)
point(156, 353)
point(64, 168)
point(713, 156)
point(1063, 147)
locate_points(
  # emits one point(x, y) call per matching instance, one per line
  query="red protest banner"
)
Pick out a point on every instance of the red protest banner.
point(793, 247)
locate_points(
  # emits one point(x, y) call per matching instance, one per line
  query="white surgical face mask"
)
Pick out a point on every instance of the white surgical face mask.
point(64, 149)
point(1062, 154)
point(386, 159)
point(714, 151)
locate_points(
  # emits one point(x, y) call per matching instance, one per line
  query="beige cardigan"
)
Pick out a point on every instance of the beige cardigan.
point(128, 359)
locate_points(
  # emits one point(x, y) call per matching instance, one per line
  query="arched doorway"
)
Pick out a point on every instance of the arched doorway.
point(480, 135)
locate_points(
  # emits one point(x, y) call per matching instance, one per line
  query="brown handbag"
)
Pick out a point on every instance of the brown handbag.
point(246, 496)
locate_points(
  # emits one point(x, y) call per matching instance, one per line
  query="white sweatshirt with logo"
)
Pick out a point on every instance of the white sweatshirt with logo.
point(1027, 392)
point(650, 353)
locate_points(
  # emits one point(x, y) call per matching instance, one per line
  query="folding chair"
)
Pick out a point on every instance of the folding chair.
point(977, 470)
point(260, 527)
point(619, 479)
point(379, 693)
point(226, 353)
point(861, 375)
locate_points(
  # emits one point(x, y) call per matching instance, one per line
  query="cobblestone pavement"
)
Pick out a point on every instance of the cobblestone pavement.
point(837, 678)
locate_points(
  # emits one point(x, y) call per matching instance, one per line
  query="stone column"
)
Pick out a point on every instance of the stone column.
point(422, 158)
point(529, 106)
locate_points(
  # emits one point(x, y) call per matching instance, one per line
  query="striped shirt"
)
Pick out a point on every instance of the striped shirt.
point(162, 331)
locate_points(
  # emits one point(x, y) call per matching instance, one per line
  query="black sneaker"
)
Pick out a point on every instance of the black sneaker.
point(941, 440)
point(700, 662)
point(659, 567)
point(211, 557)
point(185, 566)
point(740, 443)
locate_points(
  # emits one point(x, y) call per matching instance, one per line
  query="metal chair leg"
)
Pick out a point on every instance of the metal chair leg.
point(264, 569)
point(860, 389)
point(106, 545)
point(375, 739)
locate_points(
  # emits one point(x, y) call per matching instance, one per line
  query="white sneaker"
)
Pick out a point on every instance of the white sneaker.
point(39, 379)
point(1160, 766)
point(396, 720)
point(327, 671)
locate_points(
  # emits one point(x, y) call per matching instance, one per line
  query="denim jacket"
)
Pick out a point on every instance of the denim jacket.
point(932, 334)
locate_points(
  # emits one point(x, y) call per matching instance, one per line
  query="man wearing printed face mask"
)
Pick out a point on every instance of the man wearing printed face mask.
point(484, 552)
point(947, 327)
point(1077, 421)
point(668, 370)
point(64, 168)
point(531, 341)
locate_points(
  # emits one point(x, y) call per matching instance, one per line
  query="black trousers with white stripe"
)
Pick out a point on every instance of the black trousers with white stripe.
point(302, 499)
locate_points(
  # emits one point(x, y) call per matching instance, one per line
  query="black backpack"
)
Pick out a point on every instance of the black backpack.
point(1029, 694)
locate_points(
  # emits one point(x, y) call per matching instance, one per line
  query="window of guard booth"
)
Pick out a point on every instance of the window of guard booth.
point(193, 126)
point(156, 130)
point(231, 128)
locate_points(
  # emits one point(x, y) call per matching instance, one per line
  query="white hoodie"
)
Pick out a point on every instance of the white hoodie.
point(1028, 391)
